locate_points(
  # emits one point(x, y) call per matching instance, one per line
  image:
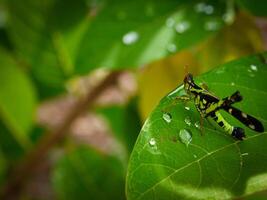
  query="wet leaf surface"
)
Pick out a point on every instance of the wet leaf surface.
point(211, 164)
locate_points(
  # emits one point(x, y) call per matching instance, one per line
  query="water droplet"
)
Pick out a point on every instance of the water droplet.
point(171, 48)
point(182, 27)
point(204, 8)
point(152, 142)
point(228, 18)
point(244, 154)
point(167, 117)
point(185, 136)
point(170, 22)
point(212, 25)
point(195, 156)
point(232, 84)
point(200, 7)
point(197, 124)
point(187, 120)
point(130, 38)
point(187, 108)
point(208, 9)
point(254, 68)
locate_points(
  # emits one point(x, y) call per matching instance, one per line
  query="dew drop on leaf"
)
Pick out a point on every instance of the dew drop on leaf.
point(167, 117)
point(228, 18)
point(211, 25)
point(171, 48)
point(187, 108)
point(152, 142)
point(170, 22)
point(232, 84)
point(197, 124)
point(130, 38)
point(187, 120)
point(254, 68)
point(183, 26)
point(204, 8)
point(200, 7)
point(185, 136)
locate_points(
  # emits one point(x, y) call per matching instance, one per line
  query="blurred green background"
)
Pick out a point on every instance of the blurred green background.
point(79, 78)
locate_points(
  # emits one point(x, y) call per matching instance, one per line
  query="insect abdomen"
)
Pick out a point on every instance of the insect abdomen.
point(236, 132)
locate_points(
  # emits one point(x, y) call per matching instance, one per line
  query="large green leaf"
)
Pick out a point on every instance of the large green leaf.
point(132, 33)
point(17, 105)
point(87, 174)
point(173, 160)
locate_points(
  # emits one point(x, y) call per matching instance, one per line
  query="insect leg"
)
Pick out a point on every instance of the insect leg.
point(236, 132)
point(246, 119)
point(183, 98)
point(234, 98)
point(224, 103)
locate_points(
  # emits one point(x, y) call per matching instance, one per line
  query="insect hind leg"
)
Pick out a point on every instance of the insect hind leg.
point(234, 98)
point(238, 133)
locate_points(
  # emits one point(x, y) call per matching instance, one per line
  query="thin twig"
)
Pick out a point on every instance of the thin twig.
point(35, 157)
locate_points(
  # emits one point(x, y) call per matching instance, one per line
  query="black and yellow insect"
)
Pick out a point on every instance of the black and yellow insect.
point(209, 105)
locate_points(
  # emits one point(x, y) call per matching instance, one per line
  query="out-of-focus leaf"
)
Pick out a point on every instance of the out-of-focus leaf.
point(228, 45)
point(45, 34)
point(132, 33)
point(124, 122)
point(256, 7)
point(17, 105)
point(3, 167)
point(4, 40)
point(172, 160)
point(87, 174)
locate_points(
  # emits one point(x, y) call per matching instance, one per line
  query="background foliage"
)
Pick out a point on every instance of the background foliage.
point(79, 78)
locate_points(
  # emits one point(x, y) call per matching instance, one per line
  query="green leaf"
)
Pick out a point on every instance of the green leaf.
point(17, 105)
point(45, 35)
point(132, 33)
point(256, 7)
point(172, 159)
point(87, 174)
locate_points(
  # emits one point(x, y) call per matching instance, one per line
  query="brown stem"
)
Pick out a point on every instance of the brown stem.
point(35, 157)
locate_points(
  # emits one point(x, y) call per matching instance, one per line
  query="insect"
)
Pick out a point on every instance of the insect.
point(209, 105)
